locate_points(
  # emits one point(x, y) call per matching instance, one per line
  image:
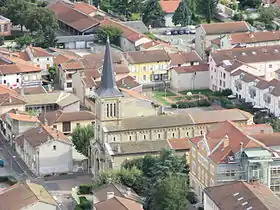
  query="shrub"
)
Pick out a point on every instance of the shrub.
point(189, 104)
point(10, 180)
point(191, 197)
point(225, 92)
point(85, 204)
point(85, 189)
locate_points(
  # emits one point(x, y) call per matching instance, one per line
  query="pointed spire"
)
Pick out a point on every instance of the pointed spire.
point(108, 87)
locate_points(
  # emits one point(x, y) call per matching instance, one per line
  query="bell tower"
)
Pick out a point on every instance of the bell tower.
point(108, 96)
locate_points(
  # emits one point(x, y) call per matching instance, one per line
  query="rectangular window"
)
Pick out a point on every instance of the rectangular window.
point(69, 84)
point(270, 65)
point(66, 127)
point(55, 126)
point(54, 147)
point(144, 77)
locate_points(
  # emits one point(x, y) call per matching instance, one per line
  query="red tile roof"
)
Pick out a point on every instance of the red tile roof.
point(84, 7)
point(225, 27)
point(67, 14)
point(129, 33)
point(169, 6)
point(181, 58)
point(235, 135)
point(39, 52)
point(242, 195)
point(191, 69)
point(179, 144)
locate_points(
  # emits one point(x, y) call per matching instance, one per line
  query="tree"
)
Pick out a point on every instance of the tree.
point(244, 4)
point(207, 8)
point(81, 137)
point(266, 15)
point(52, 72)
point(113, 33)
point(182, 14)
point(170, 193)
point(24, 41)
point(126, 7)
point(152, 14)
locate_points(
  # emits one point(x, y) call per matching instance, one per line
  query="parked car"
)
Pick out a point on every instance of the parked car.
point(174, 32)
point(167, 32)
point(187, 31)
point(192, 31)
point(1, 163)
point(181, 31)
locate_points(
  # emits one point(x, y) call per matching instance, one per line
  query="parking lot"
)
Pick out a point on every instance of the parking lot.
point(181, 41)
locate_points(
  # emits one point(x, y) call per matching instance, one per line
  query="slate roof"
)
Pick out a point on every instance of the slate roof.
point(137, 25)
point(108, 87)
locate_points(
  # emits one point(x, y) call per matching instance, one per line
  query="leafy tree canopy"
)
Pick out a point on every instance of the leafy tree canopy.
point(207, 8)
point(244, 4)
point(108, 31)
point(182, 14)
point(81, 137)
point(153, 14)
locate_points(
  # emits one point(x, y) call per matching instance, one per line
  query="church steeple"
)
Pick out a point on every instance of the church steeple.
point(108, 87)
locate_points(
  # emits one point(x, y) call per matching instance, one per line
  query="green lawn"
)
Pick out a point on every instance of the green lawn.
point(162, 93)
point(161, 100)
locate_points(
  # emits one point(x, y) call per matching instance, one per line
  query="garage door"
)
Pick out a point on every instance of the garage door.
point(70, 45)
point(80, 45)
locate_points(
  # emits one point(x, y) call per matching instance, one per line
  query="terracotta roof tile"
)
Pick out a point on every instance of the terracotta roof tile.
point(191, 69)
point(179, 144)
point(72, 17)
point(22, 117)
point(84, 7)
point(181, 58)
point(249, 37)
point(169, 6)
point(225, 27)
point(137, 57)
point(61, 116)
point(39, 52)
point(72, 65)
point(118, 203)
point(257, 129)
point(256, 195)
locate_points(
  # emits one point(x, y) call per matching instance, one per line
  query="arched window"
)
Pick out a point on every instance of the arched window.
point(159, 135)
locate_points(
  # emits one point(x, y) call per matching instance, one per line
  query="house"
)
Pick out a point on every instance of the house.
point(148, 67)
point(45, 150)
point(184, 59)
point(90, 63)
point(190, 77)
point(130, 39)
point(10, 99)
point(51, 101)
point(250, 39)
point(88, 9)
point(73, 19)
point(39, 57)
point(169, 7)
point(240, 195)
point(230, 152)
point(66, 122)
point(158, 45)
point(5, 26)
point(16, 122)
point(261, 61)
point(257, 91)
point(118, 125)
point(207, 32)
point(101, 194)
point(118, 203)
point(16, 72)
point(27, 196)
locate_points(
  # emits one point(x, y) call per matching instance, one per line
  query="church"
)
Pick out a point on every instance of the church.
point(118, 138)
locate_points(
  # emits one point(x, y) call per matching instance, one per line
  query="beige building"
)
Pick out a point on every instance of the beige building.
point(207, 32)
point(114, 133)
point(66, 122)
point(27, 196)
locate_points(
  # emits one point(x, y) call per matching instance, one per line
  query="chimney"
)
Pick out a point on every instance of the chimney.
point(110, 195)
point(262, 131)
point(251, 35)
point(128, 191)
point(241, 147)
point(226, 141)
point(122, 81)
point(153, 43)
point(10, 99)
